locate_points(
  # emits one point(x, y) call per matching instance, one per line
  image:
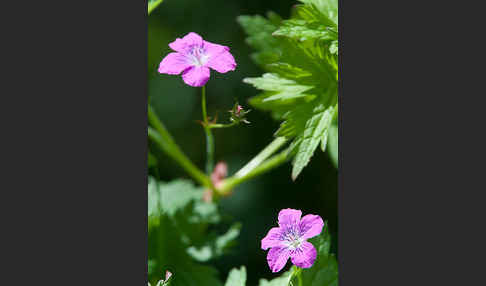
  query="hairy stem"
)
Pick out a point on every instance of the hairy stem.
point(159, 134)
point(209, 135)
point(299, 276)
point(231, 182)
point(223, 125)
point(264, 154)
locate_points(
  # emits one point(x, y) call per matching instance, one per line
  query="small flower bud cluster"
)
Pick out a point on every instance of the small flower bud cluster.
point(238, 114)
point(163, 282)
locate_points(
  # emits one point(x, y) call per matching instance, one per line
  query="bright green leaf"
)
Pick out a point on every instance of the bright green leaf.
point(302, 30)
point(282, 88)
point(328, 8)
point(152, 4)
point(283, 280)
point(333, 145)
point(315, 128)
point(333, 48)
point(301, 86)
point(236, 277)
point(288, 71)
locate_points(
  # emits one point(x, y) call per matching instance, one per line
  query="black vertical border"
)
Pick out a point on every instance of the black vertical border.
point(76, 179)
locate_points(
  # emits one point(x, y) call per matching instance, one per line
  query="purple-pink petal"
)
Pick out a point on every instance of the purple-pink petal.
point(222, 63)
point(304, 256)
point(272, 239)
point(220, 59)
point(289, 217)
point(310, 226)
point(189, 40)
point(174, 63)
point(214, 49)
point(196, 76)
point(277, 258)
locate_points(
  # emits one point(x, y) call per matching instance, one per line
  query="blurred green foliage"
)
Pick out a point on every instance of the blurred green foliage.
point(255, 203)
point(180, 235)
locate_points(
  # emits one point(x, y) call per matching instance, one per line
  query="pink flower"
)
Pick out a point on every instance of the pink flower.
point(168, 274)
point(193, 57)
point(289, 240)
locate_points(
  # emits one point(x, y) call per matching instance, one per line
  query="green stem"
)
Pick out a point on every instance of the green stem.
point(203, 105)
point(296, 272)
point(262, 156)
point(209, 135)
point(161, 136)
point(231, 182)
point(223, 125)
point(299, 276)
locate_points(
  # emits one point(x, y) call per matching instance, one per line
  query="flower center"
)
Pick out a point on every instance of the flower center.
point(295, 243)
point(293, 239)
point(198, 56)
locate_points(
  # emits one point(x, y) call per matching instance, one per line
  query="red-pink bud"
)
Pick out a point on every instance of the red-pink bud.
point(168, 274)
point(220, 172)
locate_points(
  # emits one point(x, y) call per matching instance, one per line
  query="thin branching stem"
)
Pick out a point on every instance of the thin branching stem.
point(159, 134)
point(231, 182)
point(262, 156)
point(209, 135)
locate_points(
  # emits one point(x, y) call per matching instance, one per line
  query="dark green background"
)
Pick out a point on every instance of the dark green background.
point(255, 203)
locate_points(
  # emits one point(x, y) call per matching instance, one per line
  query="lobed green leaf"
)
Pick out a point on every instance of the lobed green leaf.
point(315, 130)
point(282, 88)
point(283, 280)
point(302, 30)
point(236, 277)
point(301, 86)
point(260, 31)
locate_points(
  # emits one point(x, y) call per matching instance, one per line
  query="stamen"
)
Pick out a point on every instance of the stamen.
point(198, 56)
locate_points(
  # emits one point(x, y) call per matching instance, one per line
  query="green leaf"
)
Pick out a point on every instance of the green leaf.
point(281, 88)
point(328, 8)
point(315, 130)
point(152, 4)
point(333, 48)
point(167, 248)
point(236, 277)
point(261, 39)
point(215, 246)
point(301, 86)
point(302, 30)
point(170, 197)
point(288, 71)
point(333, 145)
point(179, 220)
point(283, 280)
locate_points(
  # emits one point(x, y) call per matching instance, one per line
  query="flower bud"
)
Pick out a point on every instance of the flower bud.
point(238, 114)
